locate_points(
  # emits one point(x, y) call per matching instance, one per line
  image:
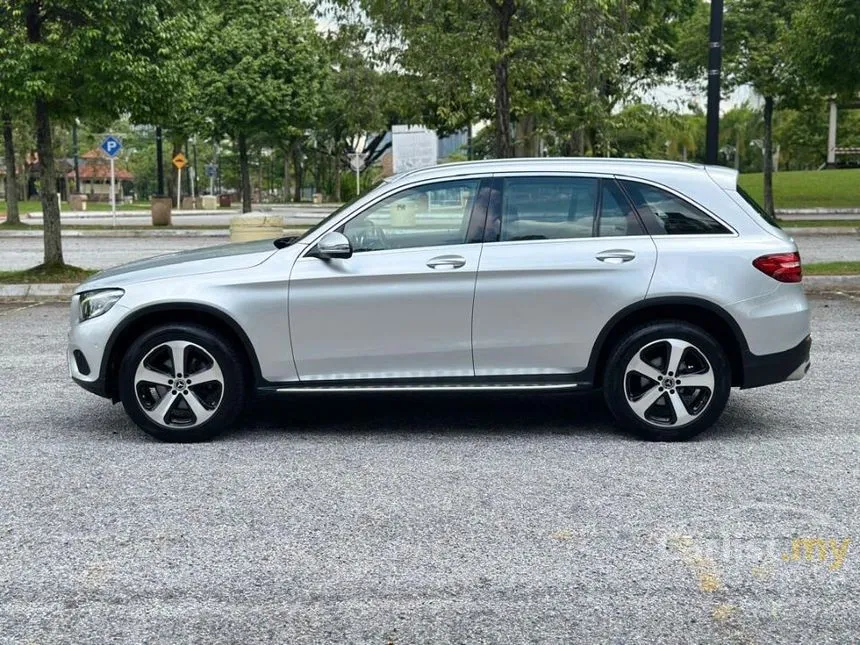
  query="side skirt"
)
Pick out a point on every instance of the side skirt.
point(352, 386)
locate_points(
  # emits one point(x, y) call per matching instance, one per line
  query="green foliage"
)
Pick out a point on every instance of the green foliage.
point(98, 58)
point(825, 45)
point(260, 67)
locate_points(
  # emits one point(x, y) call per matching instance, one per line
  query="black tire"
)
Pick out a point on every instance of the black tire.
point(657, 423)
point(225, 408)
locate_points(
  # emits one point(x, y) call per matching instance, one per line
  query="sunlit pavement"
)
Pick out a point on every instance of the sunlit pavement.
point(429, 519)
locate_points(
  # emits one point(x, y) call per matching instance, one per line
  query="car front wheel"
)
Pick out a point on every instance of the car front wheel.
point(667, 381)
point(182, 383)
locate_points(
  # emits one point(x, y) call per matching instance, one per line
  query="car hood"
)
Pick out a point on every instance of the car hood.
point(227, 257)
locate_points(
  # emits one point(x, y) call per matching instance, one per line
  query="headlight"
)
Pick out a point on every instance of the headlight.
point(96, 303)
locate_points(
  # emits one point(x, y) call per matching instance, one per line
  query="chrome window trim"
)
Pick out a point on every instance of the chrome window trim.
point(572, 175)
point(360, 207)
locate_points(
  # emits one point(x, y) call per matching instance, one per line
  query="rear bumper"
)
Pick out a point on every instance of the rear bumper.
point(790, 365)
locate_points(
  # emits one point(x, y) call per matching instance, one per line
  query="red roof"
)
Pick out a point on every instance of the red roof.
point(95, 165)
point(99, 171)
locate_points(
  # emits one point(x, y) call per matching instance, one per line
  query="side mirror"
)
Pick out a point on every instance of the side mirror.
point(331, 246)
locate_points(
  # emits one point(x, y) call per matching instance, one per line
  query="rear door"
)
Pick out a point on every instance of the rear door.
point(562, 255)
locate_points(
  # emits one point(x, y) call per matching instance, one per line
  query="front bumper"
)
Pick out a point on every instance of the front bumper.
point(89, 340)
point(790, 365)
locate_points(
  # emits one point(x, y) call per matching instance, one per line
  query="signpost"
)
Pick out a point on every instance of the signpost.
point(211, 171)
point(356, 162)
point(112, 146)
point(180, 162)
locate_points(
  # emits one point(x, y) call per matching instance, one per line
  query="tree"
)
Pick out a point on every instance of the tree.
point(756, 53)
point(824, 43)
point(261, 73)
point(532, 66)
point(93, 58)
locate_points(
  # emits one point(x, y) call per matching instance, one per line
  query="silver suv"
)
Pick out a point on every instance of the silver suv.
point(661, 283)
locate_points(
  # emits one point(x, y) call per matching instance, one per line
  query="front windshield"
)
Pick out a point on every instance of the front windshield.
point(338, 211)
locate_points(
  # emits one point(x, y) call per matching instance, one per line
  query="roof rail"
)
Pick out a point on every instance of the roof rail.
point(589, 160)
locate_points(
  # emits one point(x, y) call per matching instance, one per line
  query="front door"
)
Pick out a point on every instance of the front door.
point(566, 254)
point(401, 306)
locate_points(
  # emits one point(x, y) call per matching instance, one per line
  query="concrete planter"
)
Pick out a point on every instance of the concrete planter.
point(256, 226)
point(162, 207)
point(77, 202)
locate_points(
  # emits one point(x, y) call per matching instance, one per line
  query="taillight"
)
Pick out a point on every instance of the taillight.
point(784, 267)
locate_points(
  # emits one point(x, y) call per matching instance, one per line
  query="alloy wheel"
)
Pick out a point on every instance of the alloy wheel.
point(178, 384)
point(669, 382)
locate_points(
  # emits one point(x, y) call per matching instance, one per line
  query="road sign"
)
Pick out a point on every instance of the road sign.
point(356, 160)
point(111, 146)
point(180, 161)
point(211, 170)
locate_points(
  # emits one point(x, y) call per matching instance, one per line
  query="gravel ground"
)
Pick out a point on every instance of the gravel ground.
point(428, 519)
point(103, 252)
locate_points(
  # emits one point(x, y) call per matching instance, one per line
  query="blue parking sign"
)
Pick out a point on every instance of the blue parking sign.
point(111, 146)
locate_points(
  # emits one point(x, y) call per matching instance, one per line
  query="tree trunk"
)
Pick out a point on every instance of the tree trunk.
point(738, 152)
point(300, 172)
point(48, 186)
point(504, 13)
point(286, 175)
point(579, 142)
point(768, 155)
point(337, 178)
point(11, 176)
point(244, 174)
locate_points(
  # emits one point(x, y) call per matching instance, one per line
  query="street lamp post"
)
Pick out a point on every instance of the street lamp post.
point(715, 61)
point(159, 161)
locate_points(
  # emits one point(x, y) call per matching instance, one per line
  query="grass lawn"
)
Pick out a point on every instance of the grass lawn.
point(41, 273)
point(809, 188)
point(35, 206)
point(832, 268)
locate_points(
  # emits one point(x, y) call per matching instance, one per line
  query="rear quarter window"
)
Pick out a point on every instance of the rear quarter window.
point(668, 214)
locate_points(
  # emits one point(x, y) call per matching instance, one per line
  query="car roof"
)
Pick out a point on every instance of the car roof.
point(653, 169)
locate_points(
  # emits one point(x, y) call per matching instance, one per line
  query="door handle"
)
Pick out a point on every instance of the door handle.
point(447, 261)
point(615, 256)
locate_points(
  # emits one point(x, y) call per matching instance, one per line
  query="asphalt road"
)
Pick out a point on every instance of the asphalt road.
point(102, 252)
point(428, 519)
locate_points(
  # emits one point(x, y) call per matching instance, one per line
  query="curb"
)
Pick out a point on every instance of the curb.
point(36, 292)
point(817, 211)
point(49, 292)
point(219, 232)
point(810, 231)
point(819, 283)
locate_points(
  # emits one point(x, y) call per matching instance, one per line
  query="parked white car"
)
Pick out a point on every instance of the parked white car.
point(659, 282)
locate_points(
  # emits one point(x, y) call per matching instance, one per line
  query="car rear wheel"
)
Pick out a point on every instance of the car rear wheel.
point(667, 381)
point(182, 383)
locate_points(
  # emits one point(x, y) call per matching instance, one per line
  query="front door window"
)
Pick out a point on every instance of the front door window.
point(432, 215)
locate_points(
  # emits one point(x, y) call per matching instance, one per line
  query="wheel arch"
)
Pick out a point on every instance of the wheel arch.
point(145, 318)
point(696, 311)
